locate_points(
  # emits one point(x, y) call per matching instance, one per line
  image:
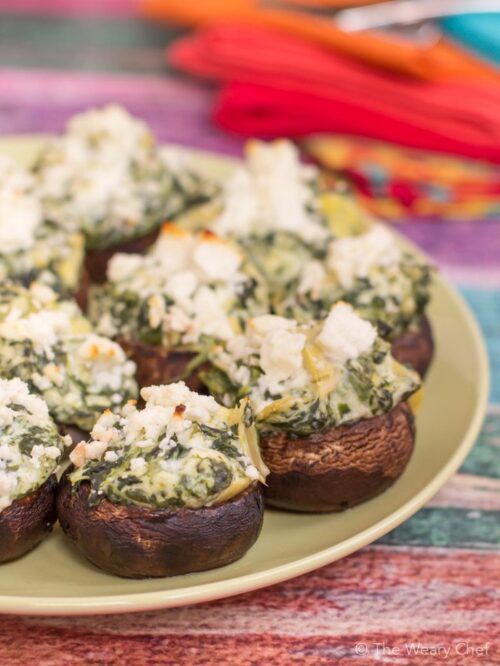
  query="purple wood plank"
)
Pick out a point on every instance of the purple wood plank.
point(42, 101)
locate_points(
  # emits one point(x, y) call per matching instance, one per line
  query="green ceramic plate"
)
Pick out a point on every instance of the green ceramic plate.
point(55, 579)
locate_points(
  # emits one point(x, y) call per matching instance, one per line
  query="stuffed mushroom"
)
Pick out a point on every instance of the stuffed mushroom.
point(33, 247)
point(316, 246)
point(169, 489)
point(107, 178)
point(272, 208)
point(30, 450)
point(48, 343)
point(385, 284)
point(330, 403)
point(166, 308)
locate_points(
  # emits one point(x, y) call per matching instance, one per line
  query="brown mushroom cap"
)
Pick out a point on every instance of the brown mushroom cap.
point(415, 348)
point(96, 261)
point(82, 293)
point(340, 467)
point(27, 521)
point(160, 365)
point(139, 542)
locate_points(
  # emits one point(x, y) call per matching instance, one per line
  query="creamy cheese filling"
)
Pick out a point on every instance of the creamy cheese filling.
point(353, 257)
point(306, 377)
point(51, 346)
point(20, 210)
point(190, 287)
point(385, 284)
point(181, 450)
point(32, 247)
point(106, 177)
point(273, 193)
point(30, 445)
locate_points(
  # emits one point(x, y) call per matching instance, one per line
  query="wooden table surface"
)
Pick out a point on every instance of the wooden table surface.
point(426, 593)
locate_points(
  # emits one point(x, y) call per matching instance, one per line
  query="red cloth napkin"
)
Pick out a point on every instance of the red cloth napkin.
point(282, 86)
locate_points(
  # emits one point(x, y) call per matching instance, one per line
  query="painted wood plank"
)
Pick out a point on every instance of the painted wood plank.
point(469, 492)
point(177, 110)
point(485, 304)
point(93, 44)
point(449, 527)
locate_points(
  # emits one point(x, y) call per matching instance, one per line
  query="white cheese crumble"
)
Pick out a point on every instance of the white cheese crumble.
point(24, 418)
point(209, 257)
point(43, 329)
point(20, 209)
point(281, 355)
point(354, 257)
point(345, 335)
point(106, 362)
point(16, 392)
point(273, 193)
point(138, 466)
point(190, 283)
point(278, 345)
point(311, 279)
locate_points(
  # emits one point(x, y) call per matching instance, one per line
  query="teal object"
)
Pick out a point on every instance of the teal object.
point(477, 32)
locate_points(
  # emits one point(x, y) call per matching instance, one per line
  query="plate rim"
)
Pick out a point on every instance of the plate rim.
point(201, 593)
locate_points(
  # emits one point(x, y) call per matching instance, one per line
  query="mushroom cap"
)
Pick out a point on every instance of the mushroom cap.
point(27, 521)
point(158, 365)
point(142, 542)
point(340, 467)
point(415, 347)
point(81, 294)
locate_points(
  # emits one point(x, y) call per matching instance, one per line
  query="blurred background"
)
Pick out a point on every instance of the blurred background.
point(401, 98)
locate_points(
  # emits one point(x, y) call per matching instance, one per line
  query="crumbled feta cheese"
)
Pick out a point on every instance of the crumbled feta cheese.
point(110, 456)
point(281, 354)
point(121, 266)
point(94, 450)
point(173, 248)
point(216, 258)
point(24, 419)
point(181, 286)
point(209, 314)
point(272, 194)
point(43, 329)
point(106, 361)
point(265, 324)
point(42, 293)
point(16, 392)
point(252, 472)
point(54, 374)
point(20, 209)
point(311, 279)
point(157, 310)
point(171, 395)
point(111, 124)
point(201, 273)
point(354, 257)
point(37, 451)
point(345, 335)
point(138, 465)
point(52, 452)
